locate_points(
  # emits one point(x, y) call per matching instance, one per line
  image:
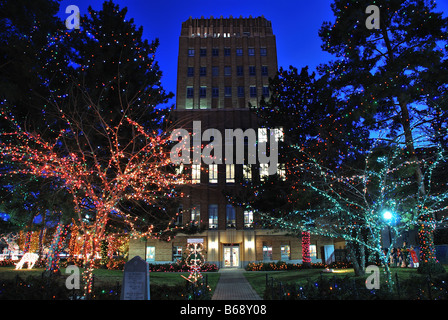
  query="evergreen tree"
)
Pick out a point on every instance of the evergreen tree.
point(387, 74)
point(118, 67)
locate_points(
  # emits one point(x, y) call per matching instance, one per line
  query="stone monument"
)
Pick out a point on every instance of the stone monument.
point(135, 284)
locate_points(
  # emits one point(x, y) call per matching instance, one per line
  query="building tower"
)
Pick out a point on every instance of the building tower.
point(224, 65)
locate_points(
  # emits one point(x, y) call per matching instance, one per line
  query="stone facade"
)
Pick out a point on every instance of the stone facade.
point(223, 66)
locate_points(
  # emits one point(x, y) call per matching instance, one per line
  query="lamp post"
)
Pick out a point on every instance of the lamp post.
point(387, 215)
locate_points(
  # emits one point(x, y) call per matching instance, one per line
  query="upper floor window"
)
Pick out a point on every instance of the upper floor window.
point(266, 92)
point(240, 92)
point(252, 71)
point(247, 172)
point(239, 51)
point(215, 52)
point(213, 173)
point(226, 52)
point(251, 51)
point(230, 173)
point(195, 214)
point(190, 72)
point(230, 216)
point(191, 52)
point(263, 52)
point(264, 70)
point(203, 52)
point(253, 92)
point(239, 71)
point(248, 219)
point(190, 92)
point(195, 173)
point(212, 216)
point(228, 91)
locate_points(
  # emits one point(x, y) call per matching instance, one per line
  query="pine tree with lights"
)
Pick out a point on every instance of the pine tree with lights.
point(118, 66)
point(391, 72)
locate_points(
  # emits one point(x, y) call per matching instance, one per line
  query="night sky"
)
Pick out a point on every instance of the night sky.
point(295, 24)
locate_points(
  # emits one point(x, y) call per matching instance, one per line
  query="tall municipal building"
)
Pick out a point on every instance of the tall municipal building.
point(224, 64)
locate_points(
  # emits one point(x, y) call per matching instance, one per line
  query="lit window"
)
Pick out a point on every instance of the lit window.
point(239, 51)
point(195, 173)
point(251, 51)
point(264, 171)
point(248, 219)
point(279, 135)
point(247, 172)
point(230, 173)
point(150, 254)
point(177, 253)
point(263, 52)
point(213, 216)
point(213, 173)
point(281, 171)
point(285, 252)
point(267, 253)
point(195, 214)
point(262, 135)
point(313, 251)
point(191, 52)
point(227, 71)
point(230, 216)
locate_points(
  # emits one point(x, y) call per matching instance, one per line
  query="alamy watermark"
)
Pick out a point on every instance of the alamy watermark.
point(373, 20)
point(217, 152)
point(373, 280)
point(73, 20)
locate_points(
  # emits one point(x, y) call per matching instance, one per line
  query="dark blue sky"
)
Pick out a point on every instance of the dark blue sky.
point(295, 23)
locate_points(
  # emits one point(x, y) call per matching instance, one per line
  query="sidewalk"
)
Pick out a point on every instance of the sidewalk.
point(232, 285)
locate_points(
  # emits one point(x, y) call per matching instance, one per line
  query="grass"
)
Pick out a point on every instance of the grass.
point(257, 279)
point(112, 277)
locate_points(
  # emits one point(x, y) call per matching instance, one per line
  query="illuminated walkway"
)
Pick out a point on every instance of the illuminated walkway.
point(232, 285)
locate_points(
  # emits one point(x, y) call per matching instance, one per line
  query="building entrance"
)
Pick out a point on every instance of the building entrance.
point(231, 256)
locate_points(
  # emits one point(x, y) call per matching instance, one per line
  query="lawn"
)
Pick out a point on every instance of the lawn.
point(257, 279)
point(112, 277)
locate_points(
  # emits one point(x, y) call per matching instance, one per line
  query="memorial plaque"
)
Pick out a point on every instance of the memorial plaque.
point(135, 284)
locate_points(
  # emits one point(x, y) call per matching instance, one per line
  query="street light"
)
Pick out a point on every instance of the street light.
point(387, 215)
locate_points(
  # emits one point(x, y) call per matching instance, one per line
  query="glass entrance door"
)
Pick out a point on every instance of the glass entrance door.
point(232, 256)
